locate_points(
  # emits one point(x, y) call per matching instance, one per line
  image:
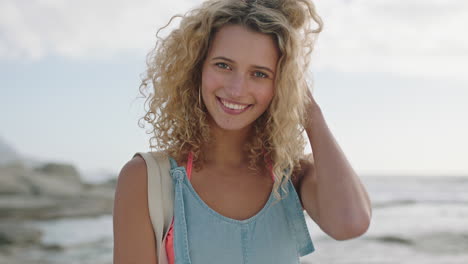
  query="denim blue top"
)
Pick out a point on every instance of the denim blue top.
point(276, 234)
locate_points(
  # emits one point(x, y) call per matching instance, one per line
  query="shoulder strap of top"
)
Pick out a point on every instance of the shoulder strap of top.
point(160, 196)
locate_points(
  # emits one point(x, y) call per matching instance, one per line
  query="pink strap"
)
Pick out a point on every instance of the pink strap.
point(269, 164)
point(189, 165)
point(271, 171)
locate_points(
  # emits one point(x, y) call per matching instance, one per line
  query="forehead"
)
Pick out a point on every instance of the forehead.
point(244, 46)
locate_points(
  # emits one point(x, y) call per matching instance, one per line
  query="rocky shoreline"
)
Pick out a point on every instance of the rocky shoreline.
point(48, 191)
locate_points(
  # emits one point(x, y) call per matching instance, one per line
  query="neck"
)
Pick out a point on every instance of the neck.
point(228, 149)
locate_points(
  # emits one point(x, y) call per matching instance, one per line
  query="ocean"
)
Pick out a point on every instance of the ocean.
point(415, 220)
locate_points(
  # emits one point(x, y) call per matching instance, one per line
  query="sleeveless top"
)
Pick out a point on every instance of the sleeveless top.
point(276, 234)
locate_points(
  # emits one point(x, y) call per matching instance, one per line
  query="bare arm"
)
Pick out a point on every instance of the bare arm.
point(331, 191)
point(134, 240)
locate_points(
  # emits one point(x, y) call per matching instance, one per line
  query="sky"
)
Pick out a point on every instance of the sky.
point(391, 78)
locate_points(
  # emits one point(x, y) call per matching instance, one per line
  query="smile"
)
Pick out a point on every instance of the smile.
point(231, 108)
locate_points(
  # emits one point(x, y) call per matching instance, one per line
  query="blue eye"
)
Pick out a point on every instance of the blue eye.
point(222, 65)
point(260, 74)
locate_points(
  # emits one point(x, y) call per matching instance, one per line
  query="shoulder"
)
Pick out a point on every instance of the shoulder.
point(135, 166)
point(132, 177)
point(133, 232)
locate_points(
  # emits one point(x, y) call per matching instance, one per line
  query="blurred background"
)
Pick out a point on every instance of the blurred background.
point(391, 78)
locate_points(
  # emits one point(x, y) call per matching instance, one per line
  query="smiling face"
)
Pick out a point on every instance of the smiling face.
point(238, 77)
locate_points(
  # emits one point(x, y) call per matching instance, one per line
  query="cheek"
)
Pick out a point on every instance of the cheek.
point(210, 80)
point(267, 95)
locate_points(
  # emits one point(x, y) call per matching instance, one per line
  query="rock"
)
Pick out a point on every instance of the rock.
point(66, 172)
point(46, 191)
point(79, 207)
point(56, 179)
point(112, 183)
point(26, 207)
point(52, 190)
point(103, 190)
point(51, 179)
point(13, 179)
point(18, 233)
point(37, 207)
point(54, 185)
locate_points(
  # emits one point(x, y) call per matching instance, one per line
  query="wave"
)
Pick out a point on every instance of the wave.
point(386, 204)
point(391, 239)
point(434, 242)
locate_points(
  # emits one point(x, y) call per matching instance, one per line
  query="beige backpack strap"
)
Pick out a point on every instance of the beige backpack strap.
point(167, 187)
point(160, 197)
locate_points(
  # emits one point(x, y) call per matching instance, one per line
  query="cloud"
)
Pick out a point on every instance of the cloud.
point(80, 29)
point(416, 37)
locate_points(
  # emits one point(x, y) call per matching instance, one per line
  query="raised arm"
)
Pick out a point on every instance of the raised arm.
point(331, 191)
point(134, 240)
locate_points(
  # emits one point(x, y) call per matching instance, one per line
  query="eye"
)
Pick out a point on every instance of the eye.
point(260, 74)
point(222, 65)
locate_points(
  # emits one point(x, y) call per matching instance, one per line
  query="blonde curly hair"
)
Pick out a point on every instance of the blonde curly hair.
point(179, 120)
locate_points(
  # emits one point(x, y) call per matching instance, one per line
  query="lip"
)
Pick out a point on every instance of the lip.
point(232, 111)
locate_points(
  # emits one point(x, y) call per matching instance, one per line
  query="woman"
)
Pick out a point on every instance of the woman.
point(230, 101)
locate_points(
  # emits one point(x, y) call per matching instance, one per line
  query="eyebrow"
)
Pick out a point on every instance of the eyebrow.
point(255, 66)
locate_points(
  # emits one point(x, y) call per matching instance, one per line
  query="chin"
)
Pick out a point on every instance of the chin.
point(229, 126)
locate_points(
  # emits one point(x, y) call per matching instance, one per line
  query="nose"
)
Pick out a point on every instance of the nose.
point(236, 86)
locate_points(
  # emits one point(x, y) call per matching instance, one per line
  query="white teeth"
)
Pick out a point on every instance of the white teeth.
point(233, 106)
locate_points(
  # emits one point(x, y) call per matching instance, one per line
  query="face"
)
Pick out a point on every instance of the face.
point(238, 77)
